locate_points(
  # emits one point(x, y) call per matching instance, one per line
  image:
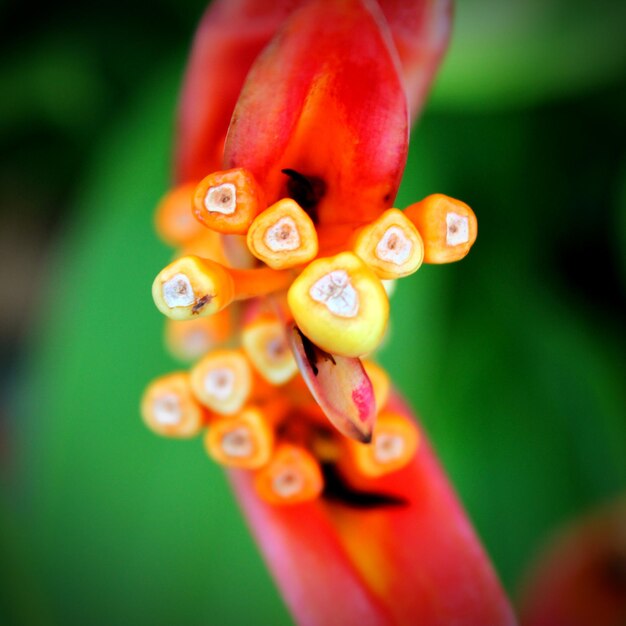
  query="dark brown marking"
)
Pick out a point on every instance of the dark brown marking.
point(314, 353)
point(337, 490)
point(307, 191)
point(200, 304)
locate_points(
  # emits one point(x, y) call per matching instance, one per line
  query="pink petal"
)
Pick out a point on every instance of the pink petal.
point(339, 385)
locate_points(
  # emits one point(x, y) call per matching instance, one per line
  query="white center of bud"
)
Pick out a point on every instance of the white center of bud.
point(238, 443)
point(167, 410)
point(394, 247)
point(388, 447)
point(177, 291)
point(221, 199)
point(282, 236)
point(276, 348)
point(287, 483)
point(457, 229)
point(337, 293)
point(220, 383)
point(196, 343)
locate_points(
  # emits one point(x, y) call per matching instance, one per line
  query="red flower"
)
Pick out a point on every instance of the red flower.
point(303, 107)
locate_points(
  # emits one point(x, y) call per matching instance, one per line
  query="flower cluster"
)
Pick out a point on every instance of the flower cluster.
point(285, 259)
point(292, 141)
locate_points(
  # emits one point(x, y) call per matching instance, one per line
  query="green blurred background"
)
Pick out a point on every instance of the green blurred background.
point(514, 358)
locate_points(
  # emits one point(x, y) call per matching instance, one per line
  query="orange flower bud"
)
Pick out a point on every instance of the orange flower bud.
point(169, 408)
point(222, 381)
point(292, 476)
point(283, 235)
point(340, 305)
point(175, 223)
point(228, 201)
point(190, 339)
point(393, 446)
point(206, 245)
point(390, 245)
point(448, 227)
point(266, 346)
point(193, 287)
point(246, 440)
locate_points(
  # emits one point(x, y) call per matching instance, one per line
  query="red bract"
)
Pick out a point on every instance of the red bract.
point(229, 39)
point(395, 550)
point(325, 99)
point(234, 32)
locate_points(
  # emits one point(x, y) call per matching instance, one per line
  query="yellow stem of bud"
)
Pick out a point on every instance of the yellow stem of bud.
point(194, 287)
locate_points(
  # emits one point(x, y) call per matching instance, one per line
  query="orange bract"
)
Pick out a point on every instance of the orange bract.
point(448, 227)
point(169, 408)
point(228, 201)
point(326, 101)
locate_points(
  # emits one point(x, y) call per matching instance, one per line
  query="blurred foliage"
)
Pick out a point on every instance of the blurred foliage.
point(514, 357)
point(517, 53)
point(67, 69)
